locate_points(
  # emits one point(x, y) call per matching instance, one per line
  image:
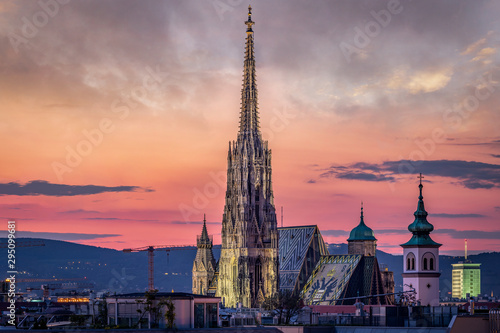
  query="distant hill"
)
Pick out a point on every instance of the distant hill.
point(109, 269)
point(120, 272)
point(490, 268)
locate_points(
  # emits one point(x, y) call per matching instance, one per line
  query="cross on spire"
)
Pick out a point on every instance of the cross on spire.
point(420, 177)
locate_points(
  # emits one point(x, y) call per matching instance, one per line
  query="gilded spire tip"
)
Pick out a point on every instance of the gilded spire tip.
point(249, 22)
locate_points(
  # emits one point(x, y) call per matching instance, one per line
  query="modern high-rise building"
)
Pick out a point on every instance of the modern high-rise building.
point(466, 278)
point(421, 258)
point(248, 266)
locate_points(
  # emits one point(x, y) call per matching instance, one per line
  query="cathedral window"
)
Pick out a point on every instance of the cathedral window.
point(258, 273)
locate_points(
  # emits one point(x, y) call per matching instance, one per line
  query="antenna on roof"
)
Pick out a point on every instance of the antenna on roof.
point(466, 249)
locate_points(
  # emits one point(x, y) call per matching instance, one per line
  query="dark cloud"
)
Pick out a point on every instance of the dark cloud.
point(497, 156)
point(192, 222)
point(401, 231)
point(470, 174)
point(311, 181)
point(488, 143)
point(42, 187)
point(63, 236)
point(364, 176)
point(80, 211)
point(453, 233)
point(457, 216)
point(333, 232)
point(470, 234)
point(118, 219)
point(497, 208)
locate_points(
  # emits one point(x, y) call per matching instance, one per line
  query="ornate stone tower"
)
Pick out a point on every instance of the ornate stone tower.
point(204, 262)
point(248, 266)
point(362, 239)
point(421, 258)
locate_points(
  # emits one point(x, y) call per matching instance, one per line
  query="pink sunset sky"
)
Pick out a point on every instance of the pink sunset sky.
point(116, 117)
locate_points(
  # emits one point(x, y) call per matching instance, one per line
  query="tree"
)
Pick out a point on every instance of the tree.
point(152, 306)
point(101, 320)
point(285, 304)
point(170, 313)
point(77, 320)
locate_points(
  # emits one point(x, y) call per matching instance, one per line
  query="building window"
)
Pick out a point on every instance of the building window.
point(199, 315)
point(428, 261)
point(410, 262)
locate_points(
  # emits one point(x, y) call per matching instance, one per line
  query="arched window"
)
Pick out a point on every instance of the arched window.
point(428, 261)
point(410, 261)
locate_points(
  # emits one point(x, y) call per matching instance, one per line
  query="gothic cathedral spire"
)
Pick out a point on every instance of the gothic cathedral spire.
point(249, 117)
point(204, 265)
point(248, 266)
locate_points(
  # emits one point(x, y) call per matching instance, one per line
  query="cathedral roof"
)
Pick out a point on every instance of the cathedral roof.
point(420, 227)
point(362, 231)
point(340, 279)
point(294, 243)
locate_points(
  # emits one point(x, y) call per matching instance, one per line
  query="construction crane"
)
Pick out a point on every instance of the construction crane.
point(151, 249)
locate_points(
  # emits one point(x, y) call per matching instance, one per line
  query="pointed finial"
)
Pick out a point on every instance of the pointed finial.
point(420, 186)
point(204, 218)
point(362, 217)
point(249, 22)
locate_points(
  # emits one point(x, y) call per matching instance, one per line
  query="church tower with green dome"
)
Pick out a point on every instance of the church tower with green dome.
point(362, 239)
point(421, 258)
